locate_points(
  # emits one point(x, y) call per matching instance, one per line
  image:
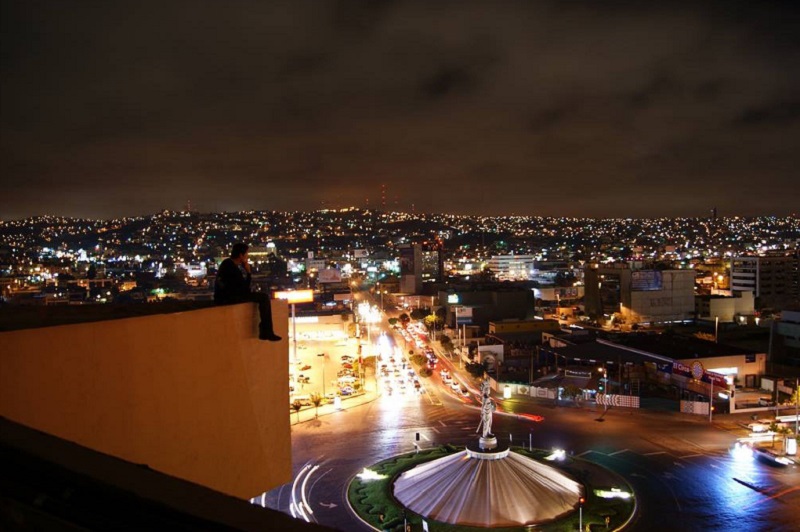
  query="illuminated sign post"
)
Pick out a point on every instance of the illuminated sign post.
point(293, 297)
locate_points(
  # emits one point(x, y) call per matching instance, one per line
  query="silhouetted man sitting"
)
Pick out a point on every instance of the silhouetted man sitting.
point(233, 286)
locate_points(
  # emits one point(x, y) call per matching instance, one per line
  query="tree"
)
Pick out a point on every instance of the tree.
point(316, 399)
point(392, 321)
point(404, 319)
point(432, 322)
point(297, 405)
point(475, 369)
point(572, 391)
point(447, 344)
point(784, 431)
point(419, 360)
point(418, 314)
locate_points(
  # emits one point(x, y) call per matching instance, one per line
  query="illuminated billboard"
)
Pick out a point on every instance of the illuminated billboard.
point(330, 275)
point(646, 280)
point(296, 296)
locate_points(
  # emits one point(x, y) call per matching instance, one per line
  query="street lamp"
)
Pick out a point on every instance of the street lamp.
point(323, 372)
point(604, 380)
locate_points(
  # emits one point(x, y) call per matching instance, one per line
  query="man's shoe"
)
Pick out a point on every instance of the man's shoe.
point(269, 336)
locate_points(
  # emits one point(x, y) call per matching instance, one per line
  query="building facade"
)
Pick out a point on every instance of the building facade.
point(640, 296)
point(773, 279)
point(512, 267)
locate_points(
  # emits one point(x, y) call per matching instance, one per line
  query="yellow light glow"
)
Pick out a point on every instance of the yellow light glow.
point(296, 296)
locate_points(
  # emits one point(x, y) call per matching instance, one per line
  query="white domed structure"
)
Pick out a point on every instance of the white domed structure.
point(476, 489)
point(488, 486)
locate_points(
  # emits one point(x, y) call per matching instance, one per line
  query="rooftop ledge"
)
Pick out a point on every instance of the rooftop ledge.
point(15, 317)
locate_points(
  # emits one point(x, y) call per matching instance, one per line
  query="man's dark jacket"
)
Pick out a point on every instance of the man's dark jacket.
point(232, 284)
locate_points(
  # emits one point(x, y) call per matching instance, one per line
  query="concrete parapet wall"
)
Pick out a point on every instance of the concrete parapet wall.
point(192, 394)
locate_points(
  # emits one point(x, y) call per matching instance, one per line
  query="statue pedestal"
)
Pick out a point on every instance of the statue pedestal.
point(481, 451)
point(488, 443)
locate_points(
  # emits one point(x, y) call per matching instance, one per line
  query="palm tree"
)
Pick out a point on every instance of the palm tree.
point(784, 431)
point(297, 405)
point(316, 399)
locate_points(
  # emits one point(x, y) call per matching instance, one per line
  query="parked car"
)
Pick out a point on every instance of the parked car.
point(305, 400)
point(347, 390)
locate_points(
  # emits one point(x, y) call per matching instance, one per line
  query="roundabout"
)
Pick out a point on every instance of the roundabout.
point(490, 486)
point(608, 500)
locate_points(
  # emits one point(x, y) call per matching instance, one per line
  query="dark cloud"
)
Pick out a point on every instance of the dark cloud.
point(473, 107)
point(774, 113)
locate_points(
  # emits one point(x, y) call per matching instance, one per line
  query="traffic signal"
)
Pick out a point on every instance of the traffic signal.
point(600, 386)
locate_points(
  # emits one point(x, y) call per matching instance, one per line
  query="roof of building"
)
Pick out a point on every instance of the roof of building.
point(638, 348)
point(679, 346)
point(53, 484)
point(14, 317)
point(601, 351)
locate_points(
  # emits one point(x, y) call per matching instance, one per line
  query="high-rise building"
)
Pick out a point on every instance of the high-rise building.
point(773, 279)
point(410, 268)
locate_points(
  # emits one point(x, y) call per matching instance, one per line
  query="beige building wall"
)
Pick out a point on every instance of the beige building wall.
point(193, 394)
point(675, 301)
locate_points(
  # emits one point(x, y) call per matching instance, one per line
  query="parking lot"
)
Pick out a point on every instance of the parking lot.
point(325, 366)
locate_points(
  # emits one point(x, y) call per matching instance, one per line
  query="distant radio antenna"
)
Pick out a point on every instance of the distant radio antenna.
point(188, 205)
point(383, 197)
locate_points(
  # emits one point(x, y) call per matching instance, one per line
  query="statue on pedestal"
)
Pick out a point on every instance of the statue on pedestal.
point(487, 409)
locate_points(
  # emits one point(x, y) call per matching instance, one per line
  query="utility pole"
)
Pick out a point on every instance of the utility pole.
point(711, 400)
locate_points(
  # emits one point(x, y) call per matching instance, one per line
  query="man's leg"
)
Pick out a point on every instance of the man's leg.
point(265, 330)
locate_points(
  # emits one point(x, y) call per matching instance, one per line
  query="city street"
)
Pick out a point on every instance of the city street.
point(681, 466)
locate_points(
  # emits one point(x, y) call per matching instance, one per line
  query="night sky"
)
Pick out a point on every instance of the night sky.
point(593, 108)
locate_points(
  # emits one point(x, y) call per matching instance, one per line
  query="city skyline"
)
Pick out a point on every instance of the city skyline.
point(546, 110)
